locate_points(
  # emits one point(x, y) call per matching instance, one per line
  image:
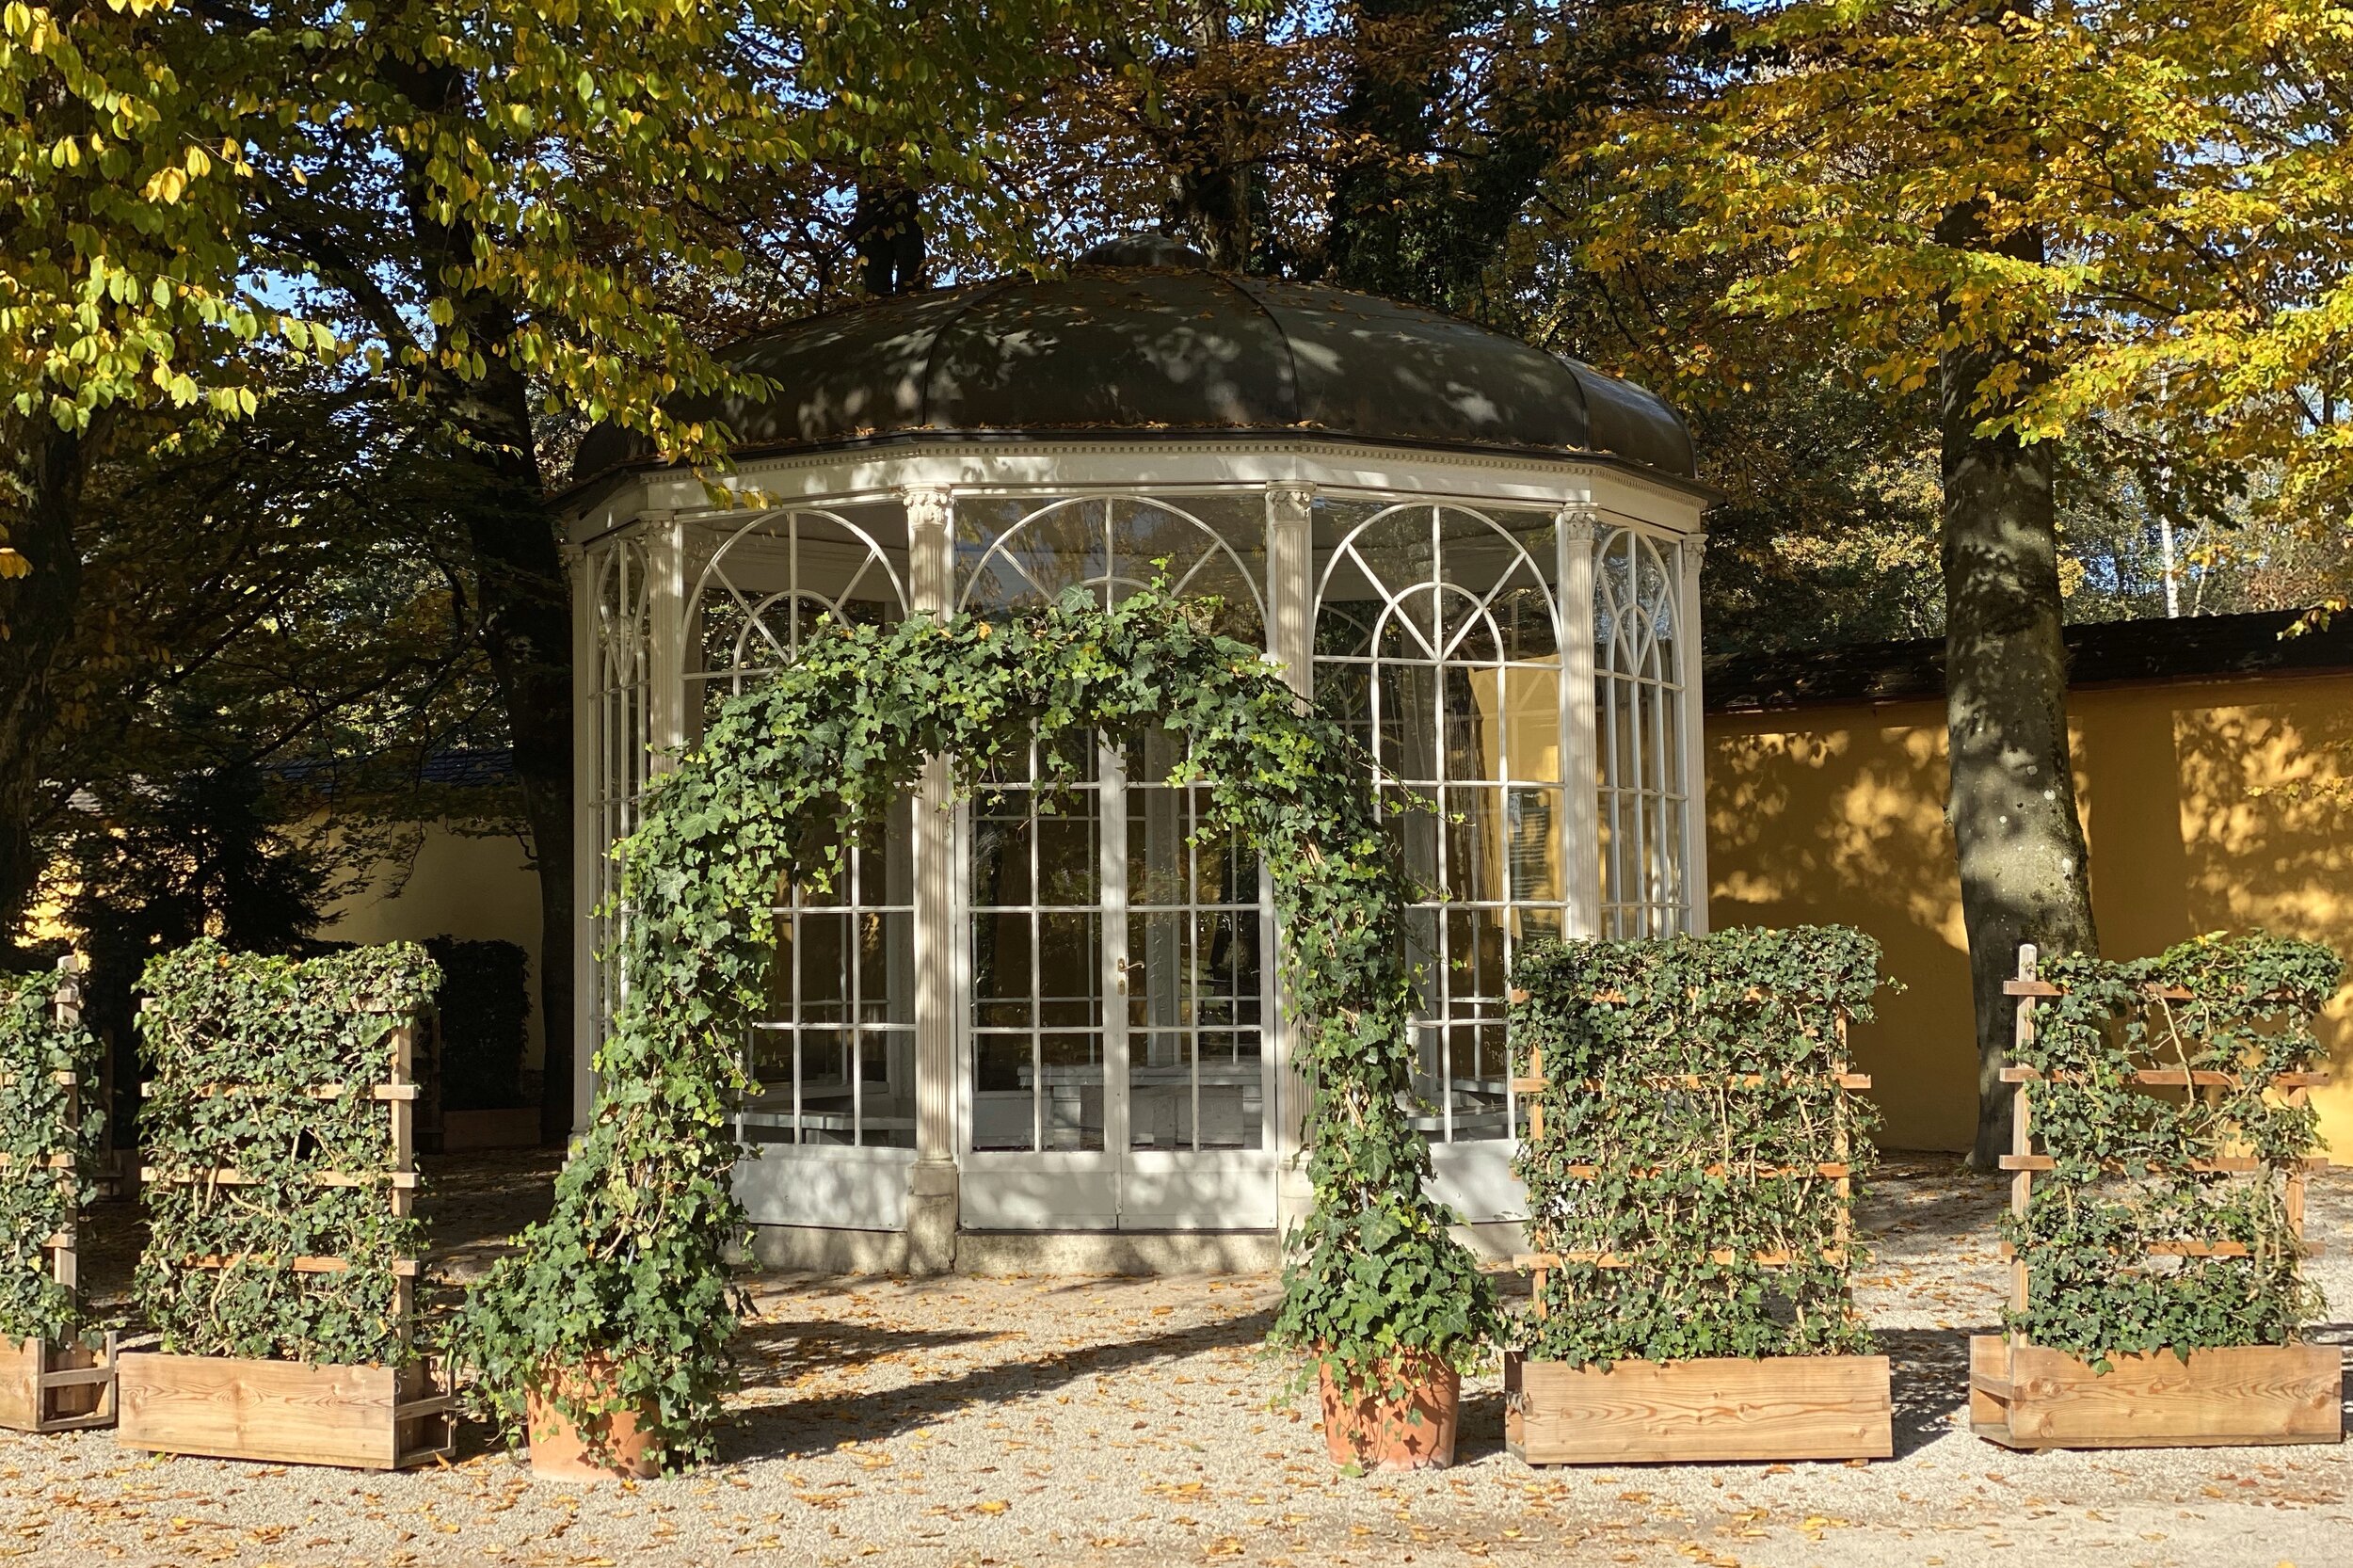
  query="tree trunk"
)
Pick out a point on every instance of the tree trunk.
point(2025, 869)
point(37, 618)
point(519, 584)
point(525, 603)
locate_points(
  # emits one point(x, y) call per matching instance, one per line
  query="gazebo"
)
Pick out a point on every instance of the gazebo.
point(1025, 1032)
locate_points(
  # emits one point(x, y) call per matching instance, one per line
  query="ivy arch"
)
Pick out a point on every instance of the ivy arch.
point(631, 1266)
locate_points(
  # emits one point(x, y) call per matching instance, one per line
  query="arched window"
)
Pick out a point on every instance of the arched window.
point(1438, 644)
point(1098, 920)
point(833, 1049)
point(620, 691)
point(1639, 725)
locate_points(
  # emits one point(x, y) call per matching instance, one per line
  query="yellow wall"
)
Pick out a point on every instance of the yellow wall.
point(1835, 814)
point(472, 888)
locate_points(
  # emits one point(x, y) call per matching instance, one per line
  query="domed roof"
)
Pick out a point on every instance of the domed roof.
point(1141, 336)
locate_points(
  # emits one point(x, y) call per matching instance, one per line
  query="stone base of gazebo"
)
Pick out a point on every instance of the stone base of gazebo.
point(827, 1250)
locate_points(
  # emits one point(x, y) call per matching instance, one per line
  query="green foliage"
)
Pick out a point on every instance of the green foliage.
point(37, 1123)
point(237, 1046)
point(2124, 1176)
point(1657, 1157)
point(631, 1264)
point(484, 1006)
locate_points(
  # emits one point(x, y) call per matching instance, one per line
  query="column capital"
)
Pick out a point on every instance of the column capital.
point(1580, 522)
point(1291, 500)
point(927, 505)
point(1694, 549)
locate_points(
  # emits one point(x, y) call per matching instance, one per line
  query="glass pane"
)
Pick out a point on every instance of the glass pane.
point(1002, 988)
point(1406, 744)
point(1004, 1112)
point(1532, 722)
point(1475, 843)
point(1071, 1089)
point(1070, 969)
point(1538, 847)
point(1161, 1086)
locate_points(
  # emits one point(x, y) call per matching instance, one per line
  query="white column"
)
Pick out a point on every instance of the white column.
point(588, 786)
point(1290, 643)
point(1579, 531)
point(665, 631)
point(932, 1181)
point(1696, 886)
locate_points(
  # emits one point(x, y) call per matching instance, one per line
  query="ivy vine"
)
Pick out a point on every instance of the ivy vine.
point(38, 1123)
point(2126, 1157)
point(630, 1268)
point(266, 1067)
point(1689, 1104)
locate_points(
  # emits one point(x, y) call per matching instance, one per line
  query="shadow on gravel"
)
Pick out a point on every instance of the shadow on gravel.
point(812, 1426)
point(1930, 1369)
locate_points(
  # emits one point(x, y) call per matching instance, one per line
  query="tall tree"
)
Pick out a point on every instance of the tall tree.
point(493, 202)
point(2055, 218)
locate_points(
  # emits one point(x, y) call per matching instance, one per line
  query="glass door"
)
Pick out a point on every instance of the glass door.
point(1116, 1071)
point(1119, 996)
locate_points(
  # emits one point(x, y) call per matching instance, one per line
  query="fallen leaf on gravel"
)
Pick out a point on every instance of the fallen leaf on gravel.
point(995, 1505)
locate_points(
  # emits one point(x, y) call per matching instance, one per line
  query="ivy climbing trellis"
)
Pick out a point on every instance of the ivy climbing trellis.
point(629, 1272)
point(2156, 1234)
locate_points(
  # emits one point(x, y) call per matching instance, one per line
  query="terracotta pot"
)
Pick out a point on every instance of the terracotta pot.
point(561, 1452)
point(1366, 1424)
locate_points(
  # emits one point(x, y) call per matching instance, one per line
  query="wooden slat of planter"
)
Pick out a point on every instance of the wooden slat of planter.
point(1694, 1081)
point(2233, 1165)
point(2193, 1249)
point(403, 1267)
point(1641, 1412)
point(2026, 1397)
point(1774, 1260)
point(277, 1411)
point(2028, 987)
point(229, 1175)
point(2181, 1077)
point(1826, 1170)
point(316, 1091)
point(48, 1387)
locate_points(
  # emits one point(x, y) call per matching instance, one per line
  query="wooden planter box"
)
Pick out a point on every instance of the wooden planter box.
point(367, 1418)
point(55, 1388)
point(2026, 1397)
point(1683, 1411)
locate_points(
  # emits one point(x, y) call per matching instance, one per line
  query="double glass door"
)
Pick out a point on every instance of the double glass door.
point(1119, 1076)
point(1117, 1045)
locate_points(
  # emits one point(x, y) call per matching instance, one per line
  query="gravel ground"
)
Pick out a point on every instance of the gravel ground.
point(1039, 1421)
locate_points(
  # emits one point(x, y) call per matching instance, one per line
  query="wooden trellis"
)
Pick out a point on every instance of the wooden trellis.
point(46, 1387)
point(377, 1417)
point(1836, 1171)
point(1718, 1408)
point(2025, 1396)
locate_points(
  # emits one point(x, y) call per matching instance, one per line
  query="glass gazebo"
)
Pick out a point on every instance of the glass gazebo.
point(1018, 1033)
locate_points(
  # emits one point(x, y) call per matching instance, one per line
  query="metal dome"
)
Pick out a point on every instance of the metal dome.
point(1142, 336)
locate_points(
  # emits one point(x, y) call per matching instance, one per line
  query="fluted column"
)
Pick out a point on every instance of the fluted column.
point(1580, 532)
point(1695, 738)
point(932, 1181)
point(1290, 643)
point(588, 786)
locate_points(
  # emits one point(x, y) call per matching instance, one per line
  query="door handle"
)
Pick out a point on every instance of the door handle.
point(1126, 968)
